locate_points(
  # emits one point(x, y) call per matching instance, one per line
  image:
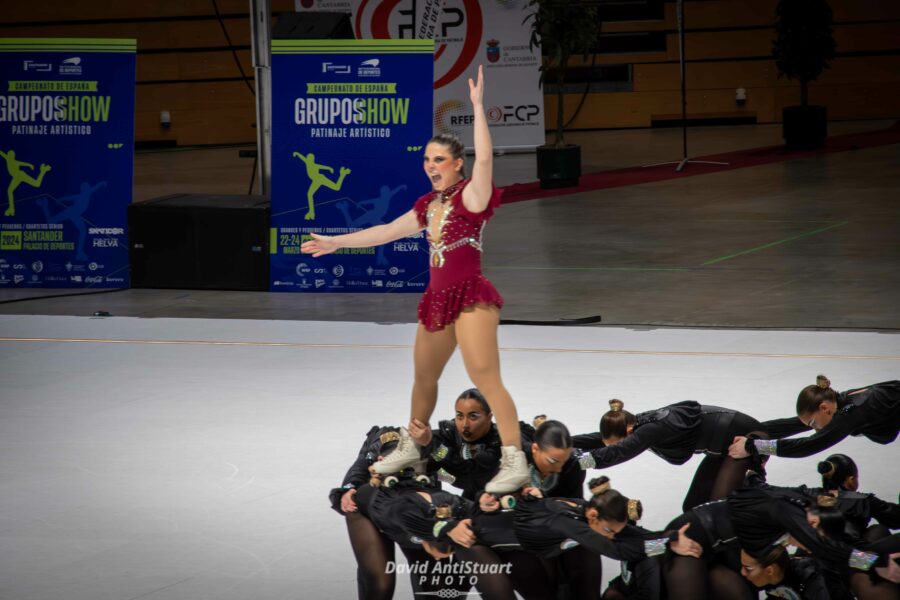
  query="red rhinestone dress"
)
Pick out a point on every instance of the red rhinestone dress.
point(454, 243)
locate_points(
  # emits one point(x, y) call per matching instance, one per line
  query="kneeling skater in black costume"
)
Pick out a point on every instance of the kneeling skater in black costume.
point(755, 519)
point(554, 465)
point(571, 534)
point(675, 433)
point(840, 478)
point(781, 575)
point(466, 451)
point(849, 520)
point(373, 529)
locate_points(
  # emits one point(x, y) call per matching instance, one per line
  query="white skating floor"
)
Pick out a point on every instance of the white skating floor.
point(170, 459)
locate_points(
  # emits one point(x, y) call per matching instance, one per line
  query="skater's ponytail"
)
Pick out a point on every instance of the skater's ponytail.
point(454, 145)
point(474, 394)
point(835, 470)
point(552, 434)
point(614, 424)
point(831, 521)
point(813, 395)
point(612, 505)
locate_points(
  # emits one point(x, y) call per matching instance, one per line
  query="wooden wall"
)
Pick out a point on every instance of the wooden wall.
point(185, 65)
point(728, 45)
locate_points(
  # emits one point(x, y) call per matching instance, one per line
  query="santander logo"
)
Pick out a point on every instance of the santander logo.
point(380, 19)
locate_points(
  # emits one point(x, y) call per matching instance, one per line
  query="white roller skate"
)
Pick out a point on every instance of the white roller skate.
point(407, 455)
point(513, 474)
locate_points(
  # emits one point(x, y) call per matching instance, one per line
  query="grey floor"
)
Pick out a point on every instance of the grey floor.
point(190, 459)
point(183, 448)
point(807, 243)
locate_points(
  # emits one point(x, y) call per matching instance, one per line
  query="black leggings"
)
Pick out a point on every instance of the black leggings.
point(373, 551)
point(716, 477)
point(689, 578)
point(719, 475)
point(715, 575)
point(870, 586)
point(526, 574)
point(583, 571)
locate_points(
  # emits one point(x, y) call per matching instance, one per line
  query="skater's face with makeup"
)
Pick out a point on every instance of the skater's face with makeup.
point(608, 528)
point(472, 421)
point(820, 417)
point(441, 168)
point(758, 574)
point(549, 460)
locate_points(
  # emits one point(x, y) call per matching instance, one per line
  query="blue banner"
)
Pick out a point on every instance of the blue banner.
point(349, 122)
point(66, 161)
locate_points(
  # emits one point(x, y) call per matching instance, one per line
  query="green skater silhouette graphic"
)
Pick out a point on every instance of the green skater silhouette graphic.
point(14, 167)
point(318, 180)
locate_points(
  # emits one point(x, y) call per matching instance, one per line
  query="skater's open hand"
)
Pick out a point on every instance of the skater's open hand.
point(488, 503)
point(532, 491)
point(348, 504)
point(684, 545)
point(738, 449)
point(319, 245)
point(892, 571)
point(420, 432)
point(462, 535)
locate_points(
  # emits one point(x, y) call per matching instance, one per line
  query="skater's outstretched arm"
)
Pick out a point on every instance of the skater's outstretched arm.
point(477, 194)
point(403, 226)
point(630, 447)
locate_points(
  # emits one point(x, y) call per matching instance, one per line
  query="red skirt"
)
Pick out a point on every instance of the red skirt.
point(441, 307)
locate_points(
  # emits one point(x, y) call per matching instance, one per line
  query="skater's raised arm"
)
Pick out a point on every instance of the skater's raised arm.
point(477, 195)
point(403, 226)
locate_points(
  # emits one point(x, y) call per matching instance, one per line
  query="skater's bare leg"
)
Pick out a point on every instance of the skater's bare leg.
point(476, 332)
point(430, 355)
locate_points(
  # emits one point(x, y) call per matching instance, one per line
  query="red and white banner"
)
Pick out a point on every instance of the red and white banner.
point(466, 33)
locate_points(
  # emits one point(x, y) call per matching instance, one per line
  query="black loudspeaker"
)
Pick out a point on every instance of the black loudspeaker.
point(200, 242)
point(313, 26)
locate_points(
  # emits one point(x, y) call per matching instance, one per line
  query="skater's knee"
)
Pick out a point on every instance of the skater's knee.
point(486, 378)
point(425, 378)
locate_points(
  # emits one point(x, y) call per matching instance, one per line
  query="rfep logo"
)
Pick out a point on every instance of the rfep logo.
point(450, 116)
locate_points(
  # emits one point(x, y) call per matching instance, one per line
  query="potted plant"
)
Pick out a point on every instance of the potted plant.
point(561, 28)
point(804, 43)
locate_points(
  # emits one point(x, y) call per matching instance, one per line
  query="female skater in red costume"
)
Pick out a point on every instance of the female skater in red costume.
point(459, 306)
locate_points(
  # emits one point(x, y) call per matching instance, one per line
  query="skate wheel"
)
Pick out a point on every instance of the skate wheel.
point(423, 479)
point(390, 481)
point(508, 502)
